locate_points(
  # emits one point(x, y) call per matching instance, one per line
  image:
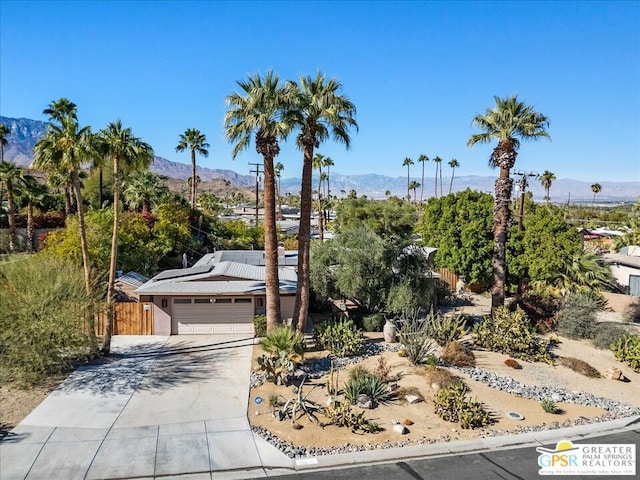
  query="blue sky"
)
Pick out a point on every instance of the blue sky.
point(417, 72)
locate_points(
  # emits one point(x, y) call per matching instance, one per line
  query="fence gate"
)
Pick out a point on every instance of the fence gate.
point(130, 318)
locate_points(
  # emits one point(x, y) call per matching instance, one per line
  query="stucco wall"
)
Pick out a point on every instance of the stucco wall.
point(161, 317)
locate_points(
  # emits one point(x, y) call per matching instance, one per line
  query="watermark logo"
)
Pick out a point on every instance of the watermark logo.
point(587, 459)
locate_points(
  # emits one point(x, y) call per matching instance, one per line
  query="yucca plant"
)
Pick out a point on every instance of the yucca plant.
point(370, 385)
point(549, 406)
point(416, 341)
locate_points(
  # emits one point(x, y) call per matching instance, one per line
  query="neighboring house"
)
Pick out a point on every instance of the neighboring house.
point(221, 293)
point(125, 286)
point(625, 267)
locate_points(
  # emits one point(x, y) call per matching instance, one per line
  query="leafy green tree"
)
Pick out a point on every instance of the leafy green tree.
point(259, 110)
point(13, 178)
point(144, 189)
point(453, 163)
point(127, 153)
point(317, 108)
point(195, 141)
point(510, 121)
point(63, 151)
point(390, 218)
point(546, 179)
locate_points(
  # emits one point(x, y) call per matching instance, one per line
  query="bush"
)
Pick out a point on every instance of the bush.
point(510, 362)
point(284, 348)
point(549, 406)
point(607, 334)
point(341, 338)
point(440, 377)
point(283, 339)
point(540, 310)
point(452, 406)
point(445, 328)
point(260, 325)
point(373, 323)
point(416, 340)
point(576, 317)
point(632, 313)
point(579, 366)
point(44, 319)
point(627, 349)
point(456, 353)
point(511, 333)
point(341, 415)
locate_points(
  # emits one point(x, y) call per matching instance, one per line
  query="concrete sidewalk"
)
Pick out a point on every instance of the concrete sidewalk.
point(175, 407)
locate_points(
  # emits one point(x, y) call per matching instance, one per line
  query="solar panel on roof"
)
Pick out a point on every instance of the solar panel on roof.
point(182, 272)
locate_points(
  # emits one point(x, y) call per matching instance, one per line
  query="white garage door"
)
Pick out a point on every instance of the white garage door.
point(213, 315)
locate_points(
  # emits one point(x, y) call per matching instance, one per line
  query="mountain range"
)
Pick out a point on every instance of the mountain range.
point(26, 132)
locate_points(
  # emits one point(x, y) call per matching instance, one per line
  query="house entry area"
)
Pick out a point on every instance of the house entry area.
point(209, 315)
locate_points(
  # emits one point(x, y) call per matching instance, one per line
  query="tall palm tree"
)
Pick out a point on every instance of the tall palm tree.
point(318, 110)
point(13, 178)
point(414, 186)
point(437, 160)
point(5, 131)
point(407, 162)
point(422, 159)
point(143, 188)
point(453, 163)
point(318, 162)
point(128, 153)
point(34, 192)
point(510, 121)
point(595, 188)
point(258, 110)
point(328, 162)
point(63, 150)
point(195, 141)
point(277, 171)
point(546, 179)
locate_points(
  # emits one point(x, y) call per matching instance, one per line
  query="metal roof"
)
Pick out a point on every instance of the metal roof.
point(249, 257)
point(182, 272)
point(134, 279)
point(167, 287)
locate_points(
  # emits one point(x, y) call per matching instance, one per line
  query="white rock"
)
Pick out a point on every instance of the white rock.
point(401, 429)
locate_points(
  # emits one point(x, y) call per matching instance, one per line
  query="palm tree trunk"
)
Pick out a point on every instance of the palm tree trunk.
point(274, 316)
point(408, 191)
point(435, 178)
point(301, 307)
point(11, 216)
point(441, 180)
point(100, 185)
point(193, 179)
point(320, 217)
point(84, 246)
point(422, 184)
point(108, 331)
point(30, 226)
point(503, 189)
point(453, 171)
point(67, 198)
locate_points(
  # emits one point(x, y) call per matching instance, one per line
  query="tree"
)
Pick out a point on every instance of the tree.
point(318, 162)
point(63, 150)
point(422, 159)
point(127, 153)
point(318, 110)
point(595, 188)
point(13, 178)
point(546, 179)
point(5, 131)
point(143, 188)
point(414, 186)
point(510, 121)
point(453, 163)
point(34, 193)
point(407, 163)
point(195, 141)
point(328, 162)
point(259, 109)
point(277, 171)
point(391, 218)
point(437, 160)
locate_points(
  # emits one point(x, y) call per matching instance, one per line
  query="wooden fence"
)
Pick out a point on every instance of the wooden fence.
point(130, 318)
point(449, 277)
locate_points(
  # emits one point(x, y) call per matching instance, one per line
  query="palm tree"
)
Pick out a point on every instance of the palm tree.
point(407, 163)
point(258, 110)
point(142, 189)
point(328, 162)
point(128, 153)
point(13, 177)
point(422, 159)
point(277, 171)
point(546, 179)
point(195, 141)
point(63, 150)
point(508, 122)
point(414, 186)
point(595, 188)
point(453, 163)
point(34, 192)
point(318, 162)
point(5, 131)
point(437, 160)
point(319, 110)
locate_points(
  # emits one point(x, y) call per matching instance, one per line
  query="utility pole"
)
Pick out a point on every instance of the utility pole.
point(257, 172)
point(523, 186)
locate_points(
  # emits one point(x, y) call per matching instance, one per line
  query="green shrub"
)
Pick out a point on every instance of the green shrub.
point(452, 406)
point(511, 333)
point(44, 319)
point(549, 406)
point(445, 328)
point(341, 338)
point(607, 333)
point(627, 349)
point(341, 415)
point(632, 313)
point(260, 325)
point(357, 372)
point(279, 366)
point(373, 323)
point(370, 385)
point(576, 317)
point(283, 339)
point(416, 341)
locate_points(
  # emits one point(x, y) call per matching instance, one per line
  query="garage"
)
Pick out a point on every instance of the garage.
point(210, 315)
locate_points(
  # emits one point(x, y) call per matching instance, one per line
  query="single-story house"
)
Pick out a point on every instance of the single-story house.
point(625, 267)
point(220, 293)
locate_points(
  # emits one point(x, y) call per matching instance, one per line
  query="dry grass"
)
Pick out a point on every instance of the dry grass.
point(579, 366)
point(456, 353)
point(439, 377)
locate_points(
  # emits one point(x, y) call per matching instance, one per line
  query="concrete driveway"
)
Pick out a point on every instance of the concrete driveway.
point(158, 406)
